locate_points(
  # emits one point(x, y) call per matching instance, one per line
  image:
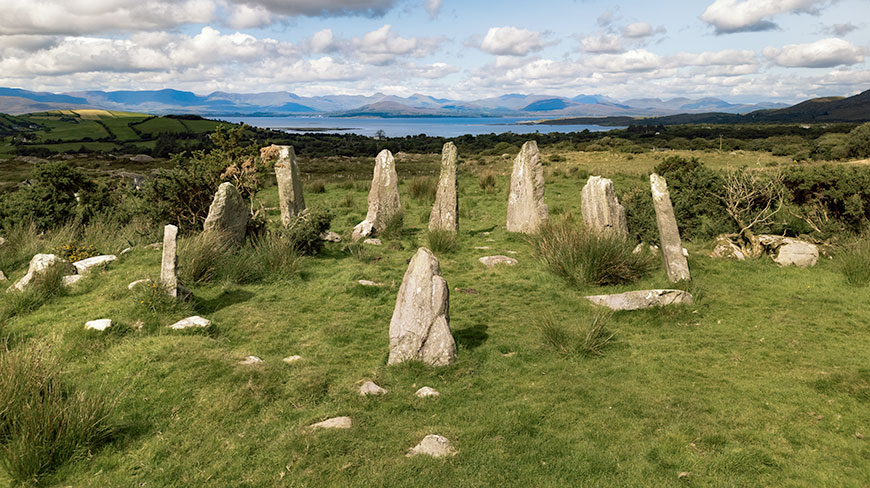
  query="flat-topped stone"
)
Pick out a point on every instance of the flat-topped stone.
point(100, 324)
point(787, 251)
point(433, 445)
point(370, 388)
point(191, 322)
point(492, 261)
point(641, 299)
point(427, 392)
point(369, 283)
point(333, 423)
point(373, 242)
point(85, 265)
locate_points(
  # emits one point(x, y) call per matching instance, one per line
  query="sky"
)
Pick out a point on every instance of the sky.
point(738, 50)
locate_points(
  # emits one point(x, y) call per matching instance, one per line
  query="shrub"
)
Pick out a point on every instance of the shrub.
point(694, 191)
point(305, 230)
point(859, 141)
point(487, 182)
point(855, 263)
point(569, 340)
point(43, 422)
point(76, 252)
point(640, 214)
point(442, 241)
point(584, 258)
point(423, 189)
point(830, 198)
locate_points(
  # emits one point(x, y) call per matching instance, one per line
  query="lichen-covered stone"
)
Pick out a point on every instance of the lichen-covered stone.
point(384, 204)
point(526, 211)
point(228, 214)
point(602, 213)
point(291, 200)
point(433, 445)
point(676, 265)
point(169, 265)
point(445, 212)
point(641, 299)
point(39, 265)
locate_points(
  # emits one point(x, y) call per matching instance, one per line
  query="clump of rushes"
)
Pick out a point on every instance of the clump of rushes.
point(571, 339)
point(855, 263)
point(317, 186)
point(487, 182)
point(423, 188)
point(442, 241)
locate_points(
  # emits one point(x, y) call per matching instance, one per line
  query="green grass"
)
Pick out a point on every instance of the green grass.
point(764, 382)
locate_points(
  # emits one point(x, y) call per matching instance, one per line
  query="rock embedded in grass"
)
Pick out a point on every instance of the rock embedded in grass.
point(526, 210)
point(433, 445)
point(251, 361)
point(724, 248)
point(427, 392)
point(333, 423)
point(228, 214)
point(641, 299)
point(292, 359)
point(330, 236)
point(136, 283)
point(369, 388)
point(191, 322)
point(492, 261)
point(39, 265)
point(71, 280)
point(369, 283)
point(86, 265)
point(373, 242)
point(787, 251)
point(2, 276)
point(100, 324)
point(420, 327)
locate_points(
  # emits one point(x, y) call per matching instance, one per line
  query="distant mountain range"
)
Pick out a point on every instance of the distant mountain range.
point(18, 101)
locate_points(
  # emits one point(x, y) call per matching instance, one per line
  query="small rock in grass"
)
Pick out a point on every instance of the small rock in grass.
point(491, 261)
point(859, 435)
point(369, 283)
point(482, 248)
point(426, 392)
point(85, 265)
point(683, 475)
point(433, 445)
point(137, 283)
point(126, 251)
point(330, 236)
point(101, 324)
point(195, 321)
point(373, 242)
point(251, 360)
point(156, 245)
point(2, 241)
point(71, 280)
point(2, 276)
point(333, 423)
point(512, 252)
point(370, 388)
point(292, 359)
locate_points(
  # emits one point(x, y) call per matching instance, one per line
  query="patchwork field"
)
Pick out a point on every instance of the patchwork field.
point(763, 382)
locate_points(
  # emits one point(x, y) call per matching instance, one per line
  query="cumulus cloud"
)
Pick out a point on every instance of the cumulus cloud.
point(602, 43)
point(324, 8)
point(825, 53)
point(382, 46)
point(730, 16)
point(433, 7)
point(639, 30)
point(512, 41)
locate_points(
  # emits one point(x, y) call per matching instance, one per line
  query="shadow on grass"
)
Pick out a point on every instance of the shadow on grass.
point(471, 337)
point(225, 299)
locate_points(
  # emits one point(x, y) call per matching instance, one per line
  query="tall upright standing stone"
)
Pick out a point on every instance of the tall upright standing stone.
point(420, 328)
point(290, 197)
point(228, 213)
point(168, 272)
point(445, 212)
point(526, 211)
point(676, 265)
point(602, 212)
point(383, 197)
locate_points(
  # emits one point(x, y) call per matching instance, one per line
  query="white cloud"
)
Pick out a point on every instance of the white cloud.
point(247, 16)
point(512, 41)
point(435, 70)
point(825, 53)
point(634, 60)
point(433, 7)
point(323, 42)
point(638, 29)
point(729, 16)
point(382, 46)
point(602, 43)
point(372, 8)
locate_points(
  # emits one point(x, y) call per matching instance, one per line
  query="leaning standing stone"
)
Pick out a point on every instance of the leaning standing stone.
point(168, 272)
point(445, 213)
point(676, 265)
point(420, 328)
point(602, 212)
point(383, 197)
point(228, 213)
point(526, 211)
point(291, 200)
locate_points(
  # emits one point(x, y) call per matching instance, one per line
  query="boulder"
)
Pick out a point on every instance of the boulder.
point(330, 236)
point(492, 261)
point(526, 210)
point(725, 249)
point(433, 445)
point(85, 265)
point(384, 204)
point(369, 283)
point(601, 210)
point(420, 327)
point(290, 198)
point(676, 265)
point(251, 361)
point(169, 265)
point(445, 212)
point(641, 299)
point(787, 251)
point(2, 276)
point(373, 242)
point(370, 388)
point(427, 392)
point(292, 359)
point(39, 265)
point(101, 324)
point(71, 280)
point(191, 322)
point(228, 214)
point(333, 423)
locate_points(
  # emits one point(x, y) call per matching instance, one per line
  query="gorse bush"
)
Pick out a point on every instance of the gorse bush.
point(854, 263)
point(830, 198)
point(588, 259)
point(76, 252)
point(43, 422)
point(694, 190)
point(572, 339)
point(305, 230)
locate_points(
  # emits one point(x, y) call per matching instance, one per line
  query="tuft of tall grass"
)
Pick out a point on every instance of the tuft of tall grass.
point(570, 339)
point(206, 257)
point(855, 263)
point(23, 241)
point(43, 422)
point(487, 182)
point(317, 186)
point(442, 241)
point(423, 189)
point(585, 258)
point(200, 257)
point(44, 287)
point(393, 227)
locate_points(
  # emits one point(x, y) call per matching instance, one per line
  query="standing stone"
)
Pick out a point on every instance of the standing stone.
point(676, 266)
point(383, 197)
point(168, 272)
point(291, 200)
point(602, 212)
point(228, 213)
point(526, 210)
point(445, 212)
point(420, 328)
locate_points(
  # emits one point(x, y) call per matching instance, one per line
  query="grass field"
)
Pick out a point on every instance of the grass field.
point(764, 382)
